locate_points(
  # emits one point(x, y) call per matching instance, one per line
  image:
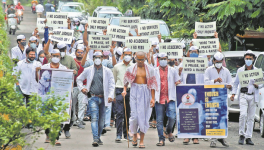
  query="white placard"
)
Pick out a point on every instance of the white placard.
point(173, 50)
point(118, 33)
point(138, 43)
point(97, 24)
point(57, 20)
point(100, 42)
point(205, 28)
point(194, 65)
point(255, 74)
point(62, 35)
point(207, 46)
point(41, 25)
point(150, 30)
point(130, 22)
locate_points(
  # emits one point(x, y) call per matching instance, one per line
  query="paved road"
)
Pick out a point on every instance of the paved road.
point(82, 139)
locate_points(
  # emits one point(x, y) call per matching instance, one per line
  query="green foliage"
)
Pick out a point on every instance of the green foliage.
point(41, 115)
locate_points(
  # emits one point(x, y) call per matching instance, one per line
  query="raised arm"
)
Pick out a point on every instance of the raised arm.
point(85, 56)
point(85, 35)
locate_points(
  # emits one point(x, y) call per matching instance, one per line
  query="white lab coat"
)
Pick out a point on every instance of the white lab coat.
point(17, 53)
point(108, 81)
point(155, 56)
point(211, 74)
point(172, 78)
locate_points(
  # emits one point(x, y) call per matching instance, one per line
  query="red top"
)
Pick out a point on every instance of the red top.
point(79, 72)
point(19, 7)
point(157, 61)
point(164, 94)
point(45, 61)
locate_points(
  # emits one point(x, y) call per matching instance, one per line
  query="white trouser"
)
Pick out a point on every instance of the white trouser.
point(247, 114)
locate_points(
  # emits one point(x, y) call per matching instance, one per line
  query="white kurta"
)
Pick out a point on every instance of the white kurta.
point(211, 74)
point(17, 53)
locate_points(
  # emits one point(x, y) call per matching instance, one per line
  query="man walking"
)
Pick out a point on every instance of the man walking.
point(19, 51)
point(39, 10)
point(48, 7)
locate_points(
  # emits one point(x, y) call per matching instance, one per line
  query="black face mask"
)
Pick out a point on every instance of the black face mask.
point(171, 63)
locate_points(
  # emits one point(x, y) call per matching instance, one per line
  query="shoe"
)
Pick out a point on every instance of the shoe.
point(67, 134)
point(95, 144)
point(75, 123)
point(104, 131)
point(241, 140)
point(100, 142)
point(160, 144)
point(129, 138)
point(249, 142)
point(223, 142)
point(107, 128)
point(81, 126)
point(118, 139)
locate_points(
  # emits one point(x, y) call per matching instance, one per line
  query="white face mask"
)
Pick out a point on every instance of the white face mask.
point(55, 60)
point(127, 58)
point(163, 63)
point(218, 65)
point(97, 61)
point(41, 59)
point(62, 54)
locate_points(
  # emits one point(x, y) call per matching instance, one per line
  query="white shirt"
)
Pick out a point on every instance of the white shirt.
point(47, 66)
point(39, 8)
point(211, 74)
point(81, 28)
point(27, 79)
point(17, 53)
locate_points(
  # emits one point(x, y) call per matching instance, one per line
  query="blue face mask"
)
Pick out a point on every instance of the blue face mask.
point(33, 45)
point(30, 61)
point(193, 55)
point(163, 63)
point(105, 62)
point(248, 62)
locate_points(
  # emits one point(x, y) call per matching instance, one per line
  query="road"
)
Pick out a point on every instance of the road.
point(81, 139)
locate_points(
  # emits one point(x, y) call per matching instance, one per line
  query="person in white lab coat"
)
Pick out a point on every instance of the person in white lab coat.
point(248, 98)
point(19, 51)
point(217, 74)
point(167, 79)
point(101, 85)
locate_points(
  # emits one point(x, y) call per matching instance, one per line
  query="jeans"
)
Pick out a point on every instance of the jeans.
point(97, 109)
point(161, 109)
point(88, 112)
point(108, 111)
point(120, 112)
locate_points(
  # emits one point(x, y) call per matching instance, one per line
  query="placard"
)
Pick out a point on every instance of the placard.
point(150, 30)
point(173, 50)
point(138, 43)
point(118, 33)
point(57, 20)
point(255, 74)
point(100, 42)
point(202, 111)
point(194, 65)
point(97, 24)
point(62, 35)
point(41, 25)
point(205, 28)
point(207, 46)
point(76, 34)
point(130, 22)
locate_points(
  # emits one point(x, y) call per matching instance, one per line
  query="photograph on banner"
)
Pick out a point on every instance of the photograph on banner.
point(173, 50)
point(207, 46)
point(62, 35)
point(205, 28)
point(100, 42)
point(130, 22)
point(138, 43)
point(194, 65)
point(56, 19)
point(97, 24)
point(56, 82)
point(41, 24)
point(202, 111)
point(254, 76)
point(118, 33)
point(150, 30)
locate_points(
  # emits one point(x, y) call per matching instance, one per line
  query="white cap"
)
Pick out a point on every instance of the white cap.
point(97, 54)
point(32, 38)
point(193, 48)
point(76, 19)
point(20, 37)
point(249, 52)
point(162, 55)
point(80, 47)
point(127, 50)
point(61, 45)
point(218, 56)
point(54, 51)
point(119, 50)
point(154, 43)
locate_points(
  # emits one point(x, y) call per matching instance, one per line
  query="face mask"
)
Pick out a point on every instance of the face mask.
point(171, 63)
point(30, 61)
point(55, 60)
point(127, 58)
point(12, 7)
point(218, 65)
point(33, 45)
point(105, 62)
point(23, 43)
point(248, 62)
point(193, 55)
point(76, 23)
point(41, 59)
point(97, 61)
point(62, 54)
point(163, 63)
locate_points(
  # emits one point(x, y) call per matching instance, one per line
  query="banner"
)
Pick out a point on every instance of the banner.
point(97, 24)
point(62, 35)
point(245, 76)
point(138, 43)
point(194, 65)
point(202, 111)
point(118, 33)
point(100, 42)
point(173, 50)
point(56, 82)
point(205, 28)
point(130, 22)
point(207, 46)
point(57, 20)
point(150, 30)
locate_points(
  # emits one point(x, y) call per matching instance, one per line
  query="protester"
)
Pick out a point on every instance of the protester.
point(100, 84)
point(41, 56)
point(39, 10)
point(19, 51)
point(32, 42)
point(154, 58)
point(167, 79)
point(248, 98)
point(142, 96)
point(76, 26)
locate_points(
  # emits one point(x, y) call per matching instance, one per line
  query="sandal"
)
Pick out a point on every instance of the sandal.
point(186, 141)
point(172, 139)
point(134, 143)
point(142, 146)
point(47, 140)
point(154, 125)
point(57, 143)
point(195, 141)
point(160, 144)
point(86, 118)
